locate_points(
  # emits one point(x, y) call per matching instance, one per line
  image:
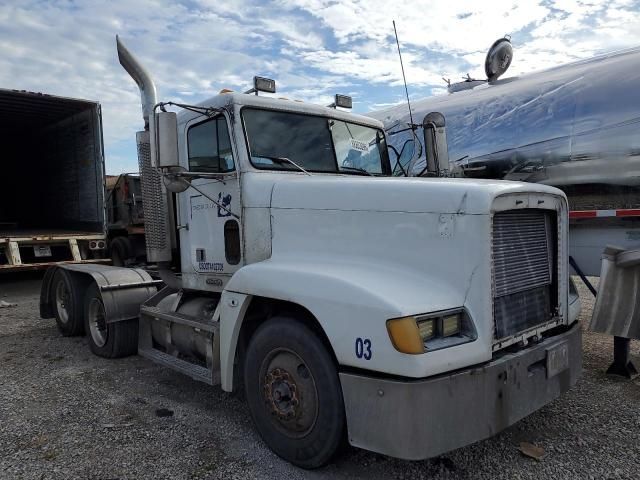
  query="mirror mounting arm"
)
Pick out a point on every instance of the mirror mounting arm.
point(195, 175)
point(178, 181)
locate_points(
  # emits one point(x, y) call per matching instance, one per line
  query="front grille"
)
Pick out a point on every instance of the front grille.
point(524, 243)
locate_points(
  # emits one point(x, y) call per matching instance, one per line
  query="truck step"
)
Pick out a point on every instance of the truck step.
point(175, 317)
point(197, 372)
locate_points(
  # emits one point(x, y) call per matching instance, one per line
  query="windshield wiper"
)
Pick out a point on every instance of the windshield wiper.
point(282, 160)
point(356, 169)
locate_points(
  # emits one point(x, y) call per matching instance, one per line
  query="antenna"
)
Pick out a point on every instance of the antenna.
point(406, 90)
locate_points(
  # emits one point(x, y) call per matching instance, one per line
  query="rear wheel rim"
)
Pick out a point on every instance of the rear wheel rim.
point(97, 323)
point(289, 393)
point(63, 298)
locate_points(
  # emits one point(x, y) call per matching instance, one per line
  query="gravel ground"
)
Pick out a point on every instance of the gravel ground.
point(65, 413)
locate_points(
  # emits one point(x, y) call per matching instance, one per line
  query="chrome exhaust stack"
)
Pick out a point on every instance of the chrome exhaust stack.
point(159, 234)
point(141, 76)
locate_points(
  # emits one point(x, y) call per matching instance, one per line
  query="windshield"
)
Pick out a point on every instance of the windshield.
point(290, 141)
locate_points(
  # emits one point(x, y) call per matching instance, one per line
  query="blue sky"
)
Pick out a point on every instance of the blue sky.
point(313, 48)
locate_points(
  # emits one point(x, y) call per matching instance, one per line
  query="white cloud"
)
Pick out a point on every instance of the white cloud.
point(452, 27)
point(545, 34)
point(381, 69)
point(313, 48)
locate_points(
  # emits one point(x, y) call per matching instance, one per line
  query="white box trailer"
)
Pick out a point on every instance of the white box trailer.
point(52, 194)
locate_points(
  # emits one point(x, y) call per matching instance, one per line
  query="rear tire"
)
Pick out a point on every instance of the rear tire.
point(68, 290)
point(108, 340)
point(293, 391)
point(121, 251)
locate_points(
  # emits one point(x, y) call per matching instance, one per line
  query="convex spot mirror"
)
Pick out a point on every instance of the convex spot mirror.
point(173, 180)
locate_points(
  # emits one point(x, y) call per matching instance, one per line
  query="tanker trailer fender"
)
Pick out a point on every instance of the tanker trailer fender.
point(123, 290)
point(344, 306)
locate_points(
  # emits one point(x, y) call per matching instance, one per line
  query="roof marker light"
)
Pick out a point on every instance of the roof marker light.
point(262, 84)
point(343, 101)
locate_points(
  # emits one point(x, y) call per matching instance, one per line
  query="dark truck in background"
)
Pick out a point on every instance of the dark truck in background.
point(125, 219)
point(52, 207)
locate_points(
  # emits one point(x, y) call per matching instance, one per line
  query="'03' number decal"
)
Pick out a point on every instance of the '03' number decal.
point(363, 348)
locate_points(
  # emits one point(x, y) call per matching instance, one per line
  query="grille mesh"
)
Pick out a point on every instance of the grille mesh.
point(520, 311)
point(154, 201)
point(522, 259)
point(520, 251)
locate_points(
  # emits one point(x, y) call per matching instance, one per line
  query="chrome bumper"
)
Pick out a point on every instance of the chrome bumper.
point(418, 419)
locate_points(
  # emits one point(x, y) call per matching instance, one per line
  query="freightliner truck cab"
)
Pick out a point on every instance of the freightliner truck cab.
point(411, 316)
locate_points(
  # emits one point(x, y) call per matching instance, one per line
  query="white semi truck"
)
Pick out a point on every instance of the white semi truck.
point(411, 316)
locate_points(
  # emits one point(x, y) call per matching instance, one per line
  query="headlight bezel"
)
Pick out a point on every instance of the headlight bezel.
point(408, 338)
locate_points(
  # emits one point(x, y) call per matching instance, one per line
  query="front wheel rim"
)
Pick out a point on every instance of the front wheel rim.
point(289, 393)
point(97, 323)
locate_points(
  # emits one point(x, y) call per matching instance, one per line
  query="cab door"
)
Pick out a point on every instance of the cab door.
point(210, 218)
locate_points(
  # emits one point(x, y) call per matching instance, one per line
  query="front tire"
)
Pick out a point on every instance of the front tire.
point(67, 291)
point(293, 392)
point(108, 340)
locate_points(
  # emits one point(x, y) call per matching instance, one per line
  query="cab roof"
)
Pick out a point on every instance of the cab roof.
point(272, 103)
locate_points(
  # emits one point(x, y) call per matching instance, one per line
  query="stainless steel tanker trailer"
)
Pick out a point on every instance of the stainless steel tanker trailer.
point(575, 127)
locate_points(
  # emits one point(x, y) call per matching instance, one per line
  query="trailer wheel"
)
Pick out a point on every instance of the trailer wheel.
point(121, 251)
point(293, 392)
point(67, 290)
point(108, 340)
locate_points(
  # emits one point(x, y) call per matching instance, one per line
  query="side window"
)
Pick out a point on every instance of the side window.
point(209, 147)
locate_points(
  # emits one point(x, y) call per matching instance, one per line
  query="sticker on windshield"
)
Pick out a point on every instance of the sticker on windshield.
point(360, 146)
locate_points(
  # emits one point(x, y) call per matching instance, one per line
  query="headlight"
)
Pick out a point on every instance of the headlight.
point(433, 331)
point(427, 328)
point(451, 324)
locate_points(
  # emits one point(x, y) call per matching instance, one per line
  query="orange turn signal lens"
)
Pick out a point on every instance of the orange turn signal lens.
point(405, 335)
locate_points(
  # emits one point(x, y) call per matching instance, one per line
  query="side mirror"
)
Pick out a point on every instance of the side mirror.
point(164, 148)
point(435, 142)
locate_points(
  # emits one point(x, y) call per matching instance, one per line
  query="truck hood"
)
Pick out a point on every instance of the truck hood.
point(410, 195)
